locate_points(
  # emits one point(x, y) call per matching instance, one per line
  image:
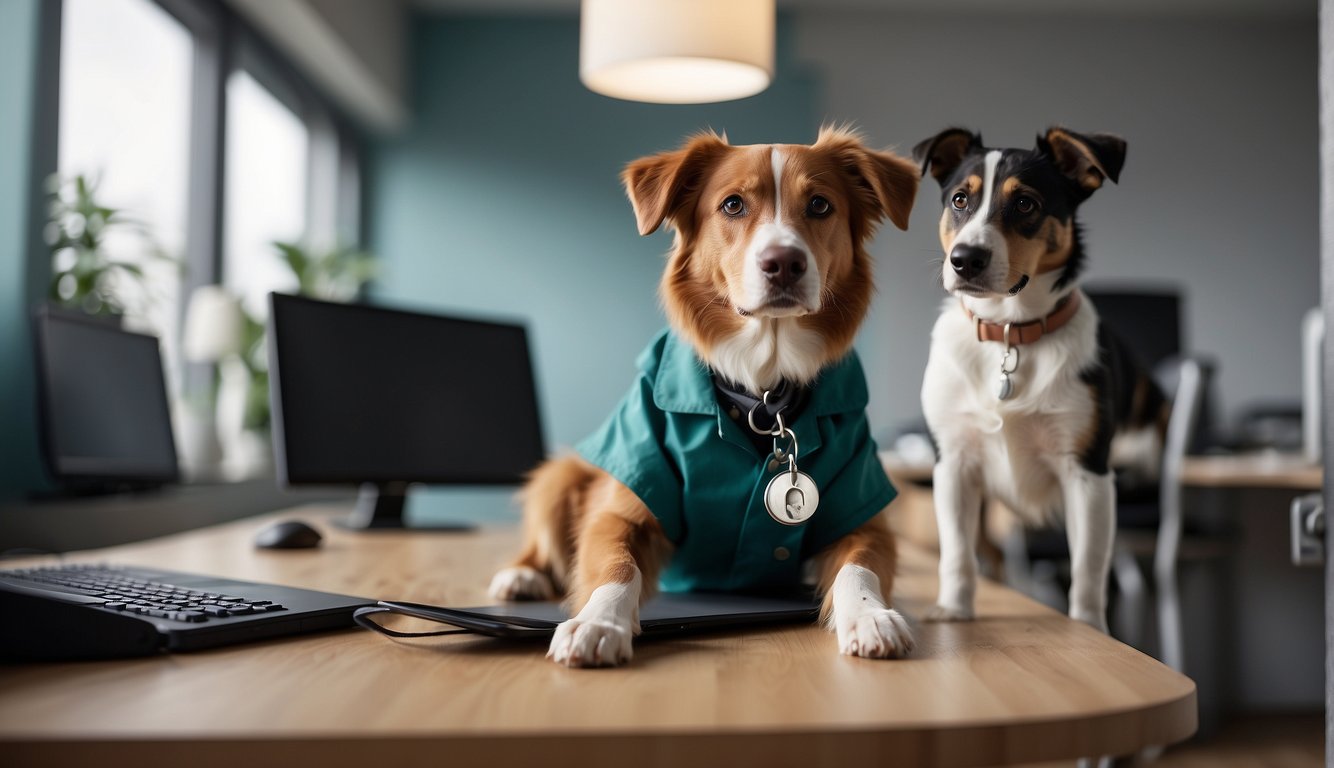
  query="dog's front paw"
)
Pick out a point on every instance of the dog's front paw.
point(877, 634)
point(949, 613)
point(521, 583)
point(1095, 619)
point(590, 644)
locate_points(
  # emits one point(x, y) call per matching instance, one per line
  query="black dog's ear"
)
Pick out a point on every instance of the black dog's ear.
point(941, 154)
point(1085, 158)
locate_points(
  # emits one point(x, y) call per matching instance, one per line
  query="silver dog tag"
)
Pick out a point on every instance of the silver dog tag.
point(1009, 364)
point(791, 497)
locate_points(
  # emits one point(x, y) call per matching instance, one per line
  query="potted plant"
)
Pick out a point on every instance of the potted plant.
point(84, 276)
point(232, 338)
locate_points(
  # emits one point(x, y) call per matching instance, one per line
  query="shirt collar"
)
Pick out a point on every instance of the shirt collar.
point(682, 383)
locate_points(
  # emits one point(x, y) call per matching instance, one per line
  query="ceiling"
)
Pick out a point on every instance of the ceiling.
point(1107, 8)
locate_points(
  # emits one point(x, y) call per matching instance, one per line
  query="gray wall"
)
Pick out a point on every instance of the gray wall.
point(1219, 192)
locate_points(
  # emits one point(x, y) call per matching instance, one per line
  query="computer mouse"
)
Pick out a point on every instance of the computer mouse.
point(288, 534)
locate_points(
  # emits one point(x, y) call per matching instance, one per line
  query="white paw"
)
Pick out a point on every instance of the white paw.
point(1095, 619)
point(949, 613)
point(877, 634)
point(521, 583)
point(590, 644)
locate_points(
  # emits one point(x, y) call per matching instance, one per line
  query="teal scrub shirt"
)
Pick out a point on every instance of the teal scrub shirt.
point(691, 464)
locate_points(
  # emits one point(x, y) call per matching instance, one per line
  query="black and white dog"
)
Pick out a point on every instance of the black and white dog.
point(1024, 390)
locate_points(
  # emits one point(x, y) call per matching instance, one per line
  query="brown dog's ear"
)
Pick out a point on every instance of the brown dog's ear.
point(885, 182)
point(941, 154)
point(658, 185)
point(1087, 159)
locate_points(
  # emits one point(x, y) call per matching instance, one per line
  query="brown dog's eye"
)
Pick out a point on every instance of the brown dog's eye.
point(818, 208)
point(1025, 205)
point(734, 206)
point(959, 201)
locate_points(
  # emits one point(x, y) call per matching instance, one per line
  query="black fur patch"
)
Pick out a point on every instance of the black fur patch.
point(1114, 379)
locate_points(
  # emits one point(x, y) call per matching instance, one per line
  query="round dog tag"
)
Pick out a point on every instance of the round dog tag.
point(791, 498)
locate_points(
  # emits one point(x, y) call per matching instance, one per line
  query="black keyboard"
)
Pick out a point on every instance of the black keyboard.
point(104, 611)
point(120, 590)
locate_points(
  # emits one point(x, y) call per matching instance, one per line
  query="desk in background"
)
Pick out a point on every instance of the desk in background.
point(914, 518)
point(1253, 470)
point(1021, 684)
point(1241, 597)
point(1249, 470)
point(1272, 611)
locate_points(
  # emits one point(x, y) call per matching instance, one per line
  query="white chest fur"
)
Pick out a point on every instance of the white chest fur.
point(768, 350)
point(1013, 449)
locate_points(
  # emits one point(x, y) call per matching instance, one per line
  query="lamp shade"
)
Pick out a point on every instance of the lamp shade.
point(677, 51)
point(213, 325)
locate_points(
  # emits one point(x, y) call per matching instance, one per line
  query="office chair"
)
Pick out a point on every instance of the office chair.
point(1155, 528)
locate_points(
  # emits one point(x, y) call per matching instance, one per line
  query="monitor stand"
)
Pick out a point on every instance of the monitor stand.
point(380, 508)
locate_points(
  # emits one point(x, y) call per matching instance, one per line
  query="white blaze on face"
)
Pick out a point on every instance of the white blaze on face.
point(980, 232)
point(777, 231)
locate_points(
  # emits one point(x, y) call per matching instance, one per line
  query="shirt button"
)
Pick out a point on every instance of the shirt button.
point(734, 413)
point(781, 554)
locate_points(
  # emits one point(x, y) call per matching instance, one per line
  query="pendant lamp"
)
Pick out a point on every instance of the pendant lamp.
point(677, 51)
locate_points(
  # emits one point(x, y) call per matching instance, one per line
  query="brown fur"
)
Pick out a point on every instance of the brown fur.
point(1074, 158)
point(872, 547)
point(582, 528)
point(1088, 431)
point(1046, 251)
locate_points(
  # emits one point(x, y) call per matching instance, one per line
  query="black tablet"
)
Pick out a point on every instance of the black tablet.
point(666, 614)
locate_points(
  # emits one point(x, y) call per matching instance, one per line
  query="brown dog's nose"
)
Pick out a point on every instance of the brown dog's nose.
point(783, 265)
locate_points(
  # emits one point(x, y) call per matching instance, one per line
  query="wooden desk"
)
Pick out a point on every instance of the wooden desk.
point(1253, 470)
point(1021, 684)
point(1268, 469)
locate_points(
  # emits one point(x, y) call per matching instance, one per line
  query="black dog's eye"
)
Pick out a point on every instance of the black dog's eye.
point(1025, 205)
point(959, 201)
point(818, 208)
point(734, 206)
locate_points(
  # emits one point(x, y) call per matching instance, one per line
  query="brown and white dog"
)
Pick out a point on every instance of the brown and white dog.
point(1024, 390)
point(768, 280)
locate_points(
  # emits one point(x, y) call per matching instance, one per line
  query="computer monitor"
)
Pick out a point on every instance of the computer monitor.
point(1147, 318)
point(384, 399)
point(104, 419)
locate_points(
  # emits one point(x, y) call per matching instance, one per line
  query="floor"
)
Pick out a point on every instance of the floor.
point(1256, 741)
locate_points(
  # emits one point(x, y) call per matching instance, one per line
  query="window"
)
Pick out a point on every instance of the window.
point(207, 138)
point(125, 125)
point(268, 147)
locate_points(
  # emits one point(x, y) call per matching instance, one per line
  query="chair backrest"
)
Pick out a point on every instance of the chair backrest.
point(1188, 401)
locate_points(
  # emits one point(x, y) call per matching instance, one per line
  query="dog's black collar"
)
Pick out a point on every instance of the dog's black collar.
point(737, 403)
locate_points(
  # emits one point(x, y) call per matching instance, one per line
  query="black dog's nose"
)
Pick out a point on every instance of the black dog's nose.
point(969, 261)
point(783, 264)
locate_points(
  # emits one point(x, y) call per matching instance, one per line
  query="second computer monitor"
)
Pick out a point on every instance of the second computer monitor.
point(385, 398)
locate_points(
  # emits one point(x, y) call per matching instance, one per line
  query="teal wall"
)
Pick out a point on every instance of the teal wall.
point(23, 163)
point(502, 199)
